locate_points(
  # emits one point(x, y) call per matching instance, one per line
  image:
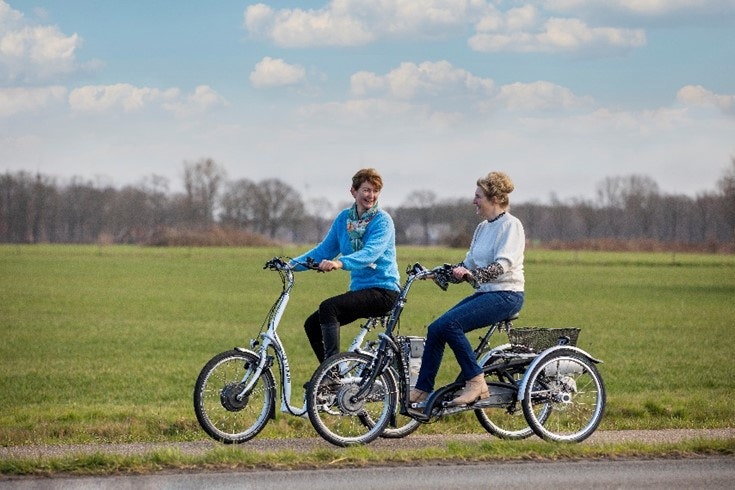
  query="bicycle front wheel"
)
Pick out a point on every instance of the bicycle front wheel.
point(571, 384)
point(223, 409)
point(398, 425)
point(335, 411)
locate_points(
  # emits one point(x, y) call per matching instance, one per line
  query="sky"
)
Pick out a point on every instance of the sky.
point(559, 94)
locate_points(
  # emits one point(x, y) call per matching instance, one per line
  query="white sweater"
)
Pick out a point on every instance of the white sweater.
point(502, 241)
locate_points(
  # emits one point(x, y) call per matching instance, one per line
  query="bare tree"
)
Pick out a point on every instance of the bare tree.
point(82, 211)
point(726, 185)
point(319, 215)
point(36, 208)
point(239, 204)
point(630, 203)
point(268, 207)
point(278, 207)
point(640, 194)
point(423, 204)
point(202, 181)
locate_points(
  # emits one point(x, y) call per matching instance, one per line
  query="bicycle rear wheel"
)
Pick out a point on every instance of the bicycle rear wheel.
point(506, 422)
point(571, 384)
point(223, 413)
point(334, 411)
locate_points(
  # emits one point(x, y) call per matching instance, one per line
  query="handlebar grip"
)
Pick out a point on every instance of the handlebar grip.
point(470, 279)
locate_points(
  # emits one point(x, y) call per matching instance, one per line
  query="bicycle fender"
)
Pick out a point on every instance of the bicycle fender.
point(544, 355)
point(482, 360)
point(246, 351)
point(272, 414)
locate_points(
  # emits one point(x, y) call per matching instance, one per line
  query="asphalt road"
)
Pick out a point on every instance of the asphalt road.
point(712, 473)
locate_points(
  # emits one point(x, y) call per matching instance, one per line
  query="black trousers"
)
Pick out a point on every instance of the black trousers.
point(346, 308)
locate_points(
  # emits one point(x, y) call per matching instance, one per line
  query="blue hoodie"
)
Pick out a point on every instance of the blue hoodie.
point(373, 266)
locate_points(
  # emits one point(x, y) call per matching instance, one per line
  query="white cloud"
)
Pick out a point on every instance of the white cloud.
point(120, 96)
point(8, 16)
point(524, 30)
point(540, 96)
point(357, 110)
point(298, 28)
point(274, 72)
point(696, 95)
point(19, 100)
point(528, 28)
point(410, 80)
point(438, 95)
point(356, 22)
point(201, 100)
point(33, 52)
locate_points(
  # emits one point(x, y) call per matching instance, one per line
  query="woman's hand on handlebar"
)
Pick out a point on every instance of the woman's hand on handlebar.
point(461, 273)
point(329, 265)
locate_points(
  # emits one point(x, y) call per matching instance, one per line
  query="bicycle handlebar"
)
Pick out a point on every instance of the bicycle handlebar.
point(442, 275)
point(277, 264)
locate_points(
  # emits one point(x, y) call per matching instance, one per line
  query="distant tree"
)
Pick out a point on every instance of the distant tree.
point(589, 217)
point(278, 208)
point(319, 215)
point(44, 209)
point(15, 207)
point(139, 211)
point(239, 204)
point(629, 201)
point(726, 186)
point(420, 210)
point(82, 211)
point(202, 182)
point(640, 195)
point(610, 198)
point(269, 207)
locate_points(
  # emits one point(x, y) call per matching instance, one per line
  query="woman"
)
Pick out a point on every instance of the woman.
point(361, 240)
point(495, 259)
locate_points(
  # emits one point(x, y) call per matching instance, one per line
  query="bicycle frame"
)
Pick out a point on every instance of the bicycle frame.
point(388, 349)
point(270, 339)
point(382, 360)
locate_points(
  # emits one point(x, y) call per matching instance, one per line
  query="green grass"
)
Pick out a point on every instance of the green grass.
point(239, 458)
point(103, 344)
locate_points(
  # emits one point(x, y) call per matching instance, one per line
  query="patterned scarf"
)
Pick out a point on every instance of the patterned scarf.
point(356, 225)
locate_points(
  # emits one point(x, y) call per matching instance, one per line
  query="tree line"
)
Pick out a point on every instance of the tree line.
point(213, 210)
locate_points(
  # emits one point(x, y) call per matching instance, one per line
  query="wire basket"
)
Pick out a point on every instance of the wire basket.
point(538, 339)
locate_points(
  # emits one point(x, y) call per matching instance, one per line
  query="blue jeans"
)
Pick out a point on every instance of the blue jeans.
point(473, 312)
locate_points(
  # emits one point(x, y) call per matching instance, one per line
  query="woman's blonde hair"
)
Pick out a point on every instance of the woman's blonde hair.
point(497, 185)
point(369, 175)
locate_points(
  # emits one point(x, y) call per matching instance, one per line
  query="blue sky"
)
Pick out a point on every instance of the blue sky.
point(560, 94)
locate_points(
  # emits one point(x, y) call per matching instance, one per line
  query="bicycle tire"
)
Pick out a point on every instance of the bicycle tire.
point(222, 416)
point(398, 426)
point(335, 414)
point(507, 422)
point(572, 385)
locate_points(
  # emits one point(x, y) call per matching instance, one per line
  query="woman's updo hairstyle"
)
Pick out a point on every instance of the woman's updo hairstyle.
point(498, 185)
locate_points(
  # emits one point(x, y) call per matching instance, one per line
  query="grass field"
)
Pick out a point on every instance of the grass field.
point(104, 343)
